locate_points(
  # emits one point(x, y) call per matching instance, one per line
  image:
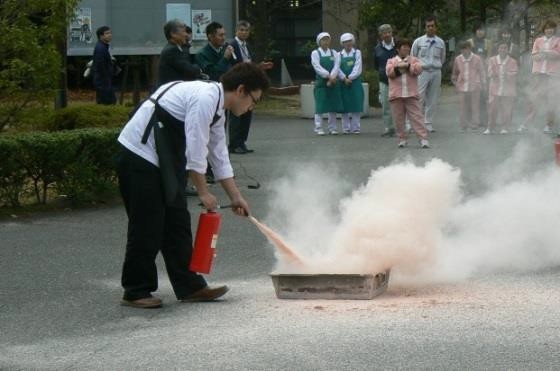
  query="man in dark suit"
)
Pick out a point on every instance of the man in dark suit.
point(239, 125)
point(175, 59)
point(102, 68)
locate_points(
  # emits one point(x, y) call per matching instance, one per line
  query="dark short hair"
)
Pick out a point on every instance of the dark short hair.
point(250, 75)
point(242, 23)
point(430, 18)
point(401, 42)
point(173, 26)
point(188, 29)
point(101, 30)
point(212, 28)
point(549, 23)
point(479, 26)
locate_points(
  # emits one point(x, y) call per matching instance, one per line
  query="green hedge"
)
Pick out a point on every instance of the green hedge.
point(77, 163)
point(88, 116)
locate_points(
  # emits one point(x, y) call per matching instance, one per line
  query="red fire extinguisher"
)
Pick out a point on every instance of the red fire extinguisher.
point(204, 249)
point(557, 150)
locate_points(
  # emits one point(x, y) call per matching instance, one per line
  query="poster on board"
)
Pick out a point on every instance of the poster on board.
point(200, 19)
point(178, 11)
point(81, 27)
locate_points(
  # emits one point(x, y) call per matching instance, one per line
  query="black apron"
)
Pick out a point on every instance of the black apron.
point(170, 140)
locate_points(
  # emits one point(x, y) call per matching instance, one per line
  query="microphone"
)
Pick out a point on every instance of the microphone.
point(226, 45)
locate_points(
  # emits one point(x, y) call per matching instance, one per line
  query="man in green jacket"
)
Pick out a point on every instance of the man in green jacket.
point(216, 57)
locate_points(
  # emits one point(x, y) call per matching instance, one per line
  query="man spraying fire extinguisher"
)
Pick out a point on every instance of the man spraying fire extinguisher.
point(178, 129)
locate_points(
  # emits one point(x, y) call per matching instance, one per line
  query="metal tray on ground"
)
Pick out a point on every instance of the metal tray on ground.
point(330, 286)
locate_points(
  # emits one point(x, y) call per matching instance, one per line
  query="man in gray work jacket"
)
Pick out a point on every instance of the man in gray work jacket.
point(430, 49)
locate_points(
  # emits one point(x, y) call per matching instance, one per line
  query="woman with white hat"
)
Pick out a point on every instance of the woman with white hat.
point(351, 87)
point(326, 62)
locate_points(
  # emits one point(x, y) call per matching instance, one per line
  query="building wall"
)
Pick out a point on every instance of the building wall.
point(343, 16)
point(137, 25)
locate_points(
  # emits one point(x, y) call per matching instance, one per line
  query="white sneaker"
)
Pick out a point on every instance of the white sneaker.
point(503, 131)
point(407, 127)
point(402, 144)
point(320, 131)
point(486, 132)
point(357, 131)
point(333, 132)
point(547, 130)
point(430, 128)
point(424, 143)
point(521, 129)
point(346, 131)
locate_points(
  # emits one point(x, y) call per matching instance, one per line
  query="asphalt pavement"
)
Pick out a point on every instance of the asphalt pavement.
point(60, 281)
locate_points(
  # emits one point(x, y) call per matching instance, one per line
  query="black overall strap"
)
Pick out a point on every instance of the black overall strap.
point(153, 118)
point(216, 116)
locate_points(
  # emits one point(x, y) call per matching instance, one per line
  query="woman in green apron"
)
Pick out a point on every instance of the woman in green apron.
point(351, 84)
point(326, 63)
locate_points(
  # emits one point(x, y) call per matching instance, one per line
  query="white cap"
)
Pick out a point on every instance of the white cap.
point(346, 37)
point(321, 35)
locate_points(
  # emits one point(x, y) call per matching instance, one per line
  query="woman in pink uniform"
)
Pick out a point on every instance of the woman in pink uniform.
point(502, 73)
point(469, 79)
point(545, 77)
point(403, 71)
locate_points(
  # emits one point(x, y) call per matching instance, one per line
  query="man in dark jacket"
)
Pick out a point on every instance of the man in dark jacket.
point(103, 68)
point(239, 125)
point(175, 59)
point(216, 57)
point(384, 51)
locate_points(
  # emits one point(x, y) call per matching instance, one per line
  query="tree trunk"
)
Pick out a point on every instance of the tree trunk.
point(463, 15)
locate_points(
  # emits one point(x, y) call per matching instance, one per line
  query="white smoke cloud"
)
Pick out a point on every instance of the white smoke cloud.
point(416, 221)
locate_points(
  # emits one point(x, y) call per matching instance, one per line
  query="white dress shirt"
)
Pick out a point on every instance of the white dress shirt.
point(194, 103)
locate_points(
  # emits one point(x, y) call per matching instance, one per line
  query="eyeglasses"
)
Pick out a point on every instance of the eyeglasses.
point(255, 102)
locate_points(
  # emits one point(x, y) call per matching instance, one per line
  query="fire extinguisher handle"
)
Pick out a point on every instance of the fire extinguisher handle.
point(219, 206)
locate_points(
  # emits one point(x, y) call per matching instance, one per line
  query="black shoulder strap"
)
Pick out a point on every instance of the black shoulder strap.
point(153, 118)
point(216, 116)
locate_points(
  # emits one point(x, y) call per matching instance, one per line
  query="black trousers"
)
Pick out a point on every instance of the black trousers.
point(153, 227)
point(105, 96)
point(239, 129)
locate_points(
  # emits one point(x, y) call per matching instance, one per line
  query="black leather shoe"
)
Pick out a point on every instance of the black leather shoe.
point(238, 151)
point(206, 294)
point(247, 149)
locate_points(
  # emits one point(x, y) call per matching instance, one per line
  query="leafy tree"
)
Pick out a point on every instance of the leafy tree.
point(30, 58)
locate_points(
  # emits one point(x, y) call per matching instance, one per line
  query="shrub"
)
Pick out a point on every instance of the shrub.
point(77, 163)
point(372, 78)
point(88, 116)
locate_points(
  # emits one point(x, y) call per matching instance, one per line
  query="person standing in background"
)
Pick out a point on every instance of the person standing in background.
point(482, 46)
point(430, 49)
point(326, 63)
point(384, 51)
point(175, 59)
point(102, 68)
point(351, 89)
point(216, 57)
point(545, 78)
point(404, 95)
point(513, 49)
point(502, 76)
point(238, 126)
point(469, 78)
